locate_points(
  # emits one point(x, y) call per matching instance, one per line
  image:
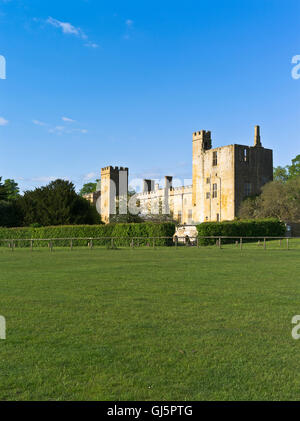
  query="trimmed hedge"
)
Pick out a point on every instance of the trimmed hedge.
point(90, 231)
point(270, 227)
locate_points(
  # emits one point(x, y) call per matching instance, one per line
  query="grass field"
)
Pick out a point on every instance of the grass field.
point(145, 324)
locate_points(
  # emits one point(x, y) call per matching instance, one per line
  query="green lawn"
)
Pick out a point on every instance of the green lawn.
point(145, 324)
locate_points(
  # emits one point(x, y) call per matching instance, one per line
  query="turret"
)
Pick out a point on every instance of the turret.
point(204, 137)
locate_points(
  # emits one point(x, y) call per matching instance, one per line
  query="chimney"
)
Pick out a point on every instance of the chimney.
point(148, 186)
point(168, 182)
point(257, 141)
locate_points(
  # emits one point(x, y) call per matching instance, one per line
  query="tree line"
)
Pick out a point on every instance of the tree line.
point(55, 204)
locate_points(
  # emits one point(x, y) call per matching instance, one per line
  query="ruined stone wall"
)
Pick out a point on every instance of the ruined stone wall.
point(253, 169)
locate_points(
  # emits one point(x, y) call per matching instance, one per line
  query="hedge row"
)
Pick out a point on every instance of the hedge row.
point(246, 228)
point(90, 231)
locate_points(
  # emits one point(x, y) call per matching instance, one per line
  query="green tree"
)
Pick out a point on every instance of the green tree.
point(9, 214)
point(279, 199)
point(249, 208)
point(290, 171)
point(56, 204)
point(281, 174)
point(88, 188)
point(12, 189)
point(3, 191)
point(294, 169)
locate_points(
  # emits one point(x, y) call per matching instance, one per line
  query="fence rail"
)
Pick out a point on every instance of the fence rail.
point(147, 238)
point(113, 242)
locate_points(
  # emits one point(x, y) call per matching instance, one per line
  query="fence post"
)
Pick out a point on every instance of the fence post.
point(265, 244)
point(241, 243)
point(154, 243)
point(51, 246)
point(197, 242)
point(91, 244)
point(12, 245)
point(220, 243)
point(71, 245)
point(176, 241)
point(31, 245)
point(287, 244)
point(112, 243)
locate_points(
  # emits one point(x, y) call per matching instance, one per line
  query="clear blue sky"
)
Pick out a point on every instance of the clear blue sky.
point(93, 83)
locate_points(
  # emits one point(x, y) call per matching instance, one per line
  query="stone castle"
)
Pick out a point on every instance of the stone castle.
point(222, 178)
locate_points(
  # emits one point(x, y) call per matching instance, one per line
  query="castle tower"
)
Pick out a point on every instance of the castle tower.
point(114, 190)
point(201, 144)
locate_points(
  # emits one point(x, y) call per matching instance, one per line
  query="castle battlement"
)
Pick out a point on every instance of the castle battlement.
point(202, 133)
point(182, 188)
point(114, 169)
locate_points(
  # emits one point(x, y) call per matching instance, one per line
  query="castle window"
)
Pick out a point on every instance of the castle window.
point(247, 189)
point(190, 215)
point(215, 191)
point(215, 158)
point(245, 155)
point(208, 180)
point(218, 217)
point(208, 195)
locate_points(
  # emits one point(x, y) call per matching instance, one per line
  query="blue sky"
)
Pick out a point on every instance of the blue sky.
point(94, 83)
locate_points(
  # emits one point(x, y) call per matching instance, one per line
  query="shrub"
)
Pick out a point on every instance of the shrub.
point(244, 228)
point(126, 231)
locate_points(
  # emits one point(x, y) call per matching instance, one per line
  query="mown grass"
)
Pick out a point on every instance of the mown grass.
point(150, 324)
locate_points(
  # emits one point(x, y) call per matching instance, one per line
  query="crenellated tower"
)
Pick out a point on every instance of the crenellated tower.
point(201, 144)
point(114, 186)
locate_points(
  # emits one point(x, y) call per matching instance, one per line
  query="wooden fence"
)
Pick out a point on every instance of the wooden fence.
point(133, 242)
